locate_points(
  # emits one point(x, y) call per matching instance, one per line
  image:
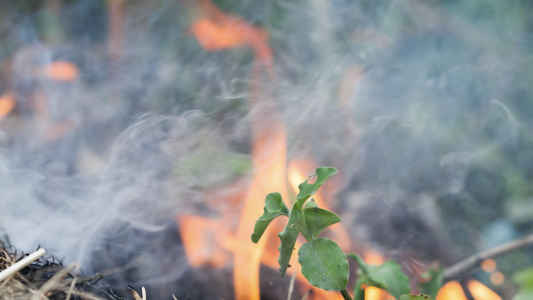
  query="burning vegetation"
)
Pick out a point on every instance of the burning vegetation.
point(139, 139)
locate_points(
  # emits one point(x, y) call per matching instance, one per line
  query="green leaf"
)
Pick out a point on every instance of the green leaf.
point(318, 219)
point(288, 238)
point(389, 276)
point(358, 291)
point(310, 203)
point(274, 207)
point(524, 295)
point(433, 285)
point(416, 297)
point(324, 264)
point(307, 190)
point(524, 278)
point(295, 214)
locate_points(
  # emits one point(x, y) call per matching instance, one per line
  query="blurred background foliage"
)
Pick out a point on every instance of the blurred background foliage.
point(410, 97)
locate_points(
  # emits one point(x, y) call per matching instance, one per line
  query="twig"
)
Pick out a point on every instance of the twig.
point(54, 280)
point(474, 260)
point(307, 295)
point(21, 264)
point(291, 285)
point(134, 293)
point(71, 288)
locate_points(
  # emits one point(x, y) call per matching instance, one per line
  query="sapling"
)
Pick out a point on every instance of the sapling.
point(323, 262)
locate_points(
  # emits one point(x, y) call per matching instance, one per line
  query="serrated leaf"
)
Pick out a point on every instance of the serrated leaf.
point(433, 285)
point(415, 297)
point(324, 264)
point(274, 207)
point(288, 239)
point(318, 219)
point(389, 276)
point(307, 190)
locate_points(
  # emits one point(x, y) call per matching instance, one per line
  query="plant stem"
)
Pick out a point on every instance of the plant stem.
point(473, 261)
point(346, 295)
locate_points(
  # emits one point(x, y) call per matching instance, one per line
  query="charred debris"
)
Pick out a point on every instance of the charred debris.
point(46, 278)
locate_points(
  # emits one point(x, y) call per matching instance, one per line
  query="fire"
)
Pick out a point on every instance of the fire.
point(218, 31)
point(488, 265)
point(7, 102)
point(374, 293)
point(451, 291)
point(214, 36)
point(58, 70)
point(373, 257)
point(480, 292)
point(200, 238)
point(497, 278)
point(215, 30)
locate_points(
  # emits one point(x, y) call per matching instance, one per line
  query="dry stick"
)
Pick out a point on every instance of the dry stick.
point(21, 264)
point(291, 285)
point(71, 288)
point(474, 260)
point(54, 280)
point(86, 295)
point(306, 295)
point(133, 292)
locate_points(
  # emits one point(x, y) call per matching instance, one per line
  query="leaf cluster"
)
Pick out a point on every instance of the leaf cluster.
point(323, 262)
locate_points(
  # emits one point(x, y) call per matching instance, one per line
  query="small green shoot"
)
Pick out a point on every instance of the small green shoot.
point(323, 262)
point(434, 281)
point(388, 276)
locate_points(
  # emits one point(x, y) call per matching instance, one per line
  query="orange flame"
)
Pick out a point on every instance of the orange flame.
point(201, 250)
point(373, 257)
point(374, 293)
point(214, 36)
point(218, 31)
point(480, 292)
point(451, 291)
point(58, 70)
point(488, 265)
point(7, 102)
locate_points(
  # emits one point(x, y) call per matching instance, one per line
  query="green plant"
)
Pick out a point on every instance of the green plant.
point(323, 262)
point(524, 279)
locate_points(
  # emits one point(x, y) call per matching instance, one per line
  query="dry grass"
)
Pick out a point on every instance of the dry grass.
point(43, 279)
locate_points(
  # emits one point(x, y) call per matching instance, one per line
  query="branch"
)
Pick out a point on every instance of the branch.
point(13, 269)
point(472, 261)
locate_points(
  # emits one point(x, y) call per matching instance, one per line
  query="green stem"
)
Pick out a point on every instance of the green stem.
point(346, 295)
